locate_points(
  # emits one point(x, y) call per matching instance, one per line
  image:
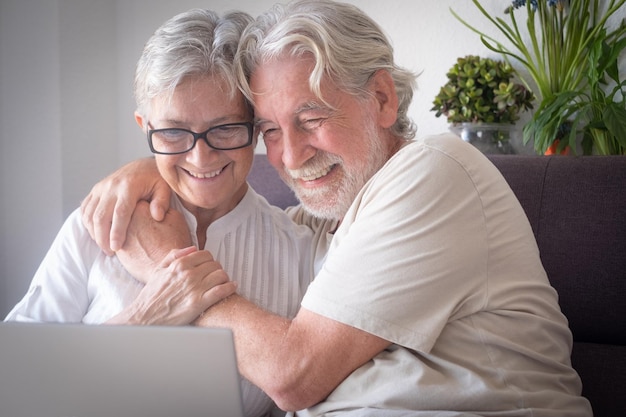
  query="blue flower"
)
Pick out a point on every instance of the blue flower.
point(516, 4)
point(521, 3)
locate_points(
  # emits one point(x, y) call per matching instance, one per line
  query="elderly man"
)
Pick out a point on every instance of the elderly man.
point(429, 297)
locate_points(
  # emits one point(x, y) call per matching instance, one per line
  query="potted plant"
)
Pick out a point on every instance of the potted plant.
point(482, 102)
point(594, 111)
point(569, 51)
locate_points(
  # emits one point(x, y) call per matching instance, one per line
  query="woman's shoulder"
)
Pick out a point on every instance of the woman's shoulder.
point(274, 216)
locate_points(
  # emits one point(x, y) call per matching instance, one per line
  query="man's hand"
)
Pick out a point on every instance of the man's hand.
point(107, 210)
point(186, 283)
point(148, 241)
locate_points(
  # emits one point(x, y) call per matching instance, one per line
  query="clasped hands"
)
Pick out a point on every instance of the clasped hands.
point(181, 282)
point(186, 283)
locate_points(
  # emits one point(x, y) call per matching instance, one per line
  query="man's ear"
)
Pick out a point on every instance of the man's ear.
point(384, 90)
point(140, 121)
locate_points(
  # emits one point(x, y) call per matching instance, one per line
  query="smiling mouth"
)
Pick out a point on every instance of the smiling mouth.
point(316, 175)
point(205, 175)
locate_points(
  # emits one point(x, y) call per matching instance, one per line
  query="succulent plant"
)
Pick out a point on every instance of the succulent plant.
point(482, 90)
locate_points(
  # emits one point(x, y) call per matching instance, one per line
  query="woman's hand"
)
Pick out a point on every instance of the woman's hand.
point(107, 210)
point(186, 283)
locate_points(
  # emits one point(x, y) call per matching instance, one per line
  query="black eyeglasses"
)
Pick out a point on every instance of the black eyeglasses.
point(224, 137)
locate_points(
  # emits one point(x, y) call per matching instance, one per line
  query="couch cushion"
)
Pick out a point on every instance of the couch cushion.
point(584, 252)
point(576, 207)
point(602, 369)
point(525, 176)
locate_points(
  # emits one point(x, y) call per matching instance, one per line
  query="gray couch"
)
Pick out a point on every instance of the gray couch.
point(577, 209)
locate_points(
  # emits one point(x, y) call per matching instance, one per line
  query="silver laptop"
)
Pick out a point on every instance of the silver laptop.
point(73, 370)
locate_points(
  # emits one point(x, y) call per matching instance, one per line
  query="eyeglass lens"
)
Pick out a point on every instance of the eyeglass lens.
point(224, 137)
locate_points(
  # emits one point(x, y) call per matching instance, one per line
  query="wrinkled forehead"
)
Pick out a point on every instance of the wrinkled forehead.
point(293, 78)
point(204, 97)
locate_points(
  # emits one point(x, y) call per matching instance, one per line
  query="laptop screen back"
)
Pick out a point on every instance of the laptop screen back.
point(73, 370)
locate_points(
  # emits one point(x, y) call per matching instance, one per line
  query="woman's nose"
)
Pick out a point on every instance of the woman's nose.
point(200, 152)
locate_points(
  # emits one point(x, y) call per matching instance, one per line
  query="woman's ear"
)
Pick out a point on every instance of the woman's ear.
point(140, 121)
point(384, 90)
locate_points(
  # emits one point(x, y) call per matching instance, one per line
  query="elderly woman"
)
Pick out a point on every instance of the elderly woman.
point(199, 126)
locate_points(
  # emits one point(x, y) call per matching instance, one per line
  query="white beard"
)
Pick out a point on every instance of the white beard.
point(333, 201)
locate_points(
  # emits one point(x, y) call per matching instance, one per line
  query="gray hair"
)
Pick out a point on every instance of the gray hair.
point(195, 43)
point(345, 43)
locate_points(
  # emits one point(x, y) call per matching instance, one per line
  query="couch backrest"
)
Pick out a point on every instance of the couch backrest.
point(265, 180)
point(577, 209)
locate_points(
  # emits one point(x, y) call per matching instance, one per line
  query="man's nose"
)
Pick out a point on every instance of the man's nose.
point(296, 149)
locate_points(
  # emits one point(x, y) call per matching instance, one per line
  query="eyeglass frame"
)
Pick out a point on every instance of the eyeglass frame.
point(202, 135)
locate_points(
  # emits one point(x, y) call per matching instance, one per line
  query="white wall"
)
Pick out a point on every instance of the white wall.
point(30, 141)
point(66, 69)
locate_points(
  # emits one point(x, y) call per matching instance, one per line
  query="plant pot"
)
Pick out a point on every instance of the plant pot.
point(488, 138)
point(553, 149)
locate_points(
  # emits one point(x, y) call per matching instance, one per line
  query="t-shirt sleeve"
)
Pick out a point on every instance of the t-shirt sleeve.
point(410, 254)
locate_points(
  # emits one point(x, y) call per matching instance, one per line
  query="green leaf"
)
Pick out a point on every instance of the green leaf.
point(612, 68)
point(614, 117)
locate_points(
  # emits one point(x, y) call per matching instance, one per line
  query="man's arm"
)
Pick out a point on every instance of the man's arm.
point(296, 362)
point(107, 210)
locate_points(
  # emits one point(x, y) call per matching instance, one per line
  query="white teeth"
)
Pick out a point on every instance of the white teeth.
point(205, 175)
point(316, 175)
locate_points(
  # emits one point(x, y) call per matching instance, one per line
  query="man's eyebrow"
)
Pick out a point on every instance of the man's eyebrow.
point(308, 106)
point(311, 105)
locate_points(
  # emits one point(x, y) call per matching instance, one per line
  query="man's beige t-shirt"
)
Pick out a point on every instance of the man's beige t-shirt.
point(437, 256)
